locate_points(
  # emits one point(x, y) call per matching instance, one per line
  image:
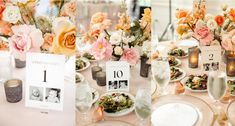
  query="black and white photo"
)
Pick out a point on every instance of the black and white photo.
point(36, 93)
point(215, 65)
point(52, 95)
point(206, 67)
point(113, 85)
point(122, 84)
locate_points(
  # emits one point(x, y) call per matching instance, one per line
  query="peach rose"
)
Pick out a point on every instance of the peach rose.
point(231, 14)
point(65, 36)
point(71, 8)
point(101, 20)
point(5, 28)
point(204, 35)
point(2, 8)
point(219, 20)
point(48, 40)
point(228, 40)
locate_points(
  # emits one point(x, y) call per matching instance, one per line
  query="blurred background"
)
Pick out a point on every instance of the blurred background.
point(160, 13)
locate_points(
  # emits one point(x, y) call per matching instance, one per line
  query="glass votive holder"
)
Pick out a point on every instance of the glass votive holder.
point(101, 78)
point(94, 70)
point(13, 90)
point(230, 66)
point(228, 53)
point(193, 58)
point(5, 66)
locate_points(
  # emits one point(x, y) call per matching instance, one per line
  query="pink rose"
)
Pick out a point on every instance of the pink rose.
point(204, 35)
point(130, 55)
point(26, 38)
point(101, 49)
point(228, 41)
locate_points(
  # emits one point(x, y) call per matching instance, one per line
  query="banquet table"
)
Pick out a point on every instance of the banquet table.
point(163, 48)
point(135, 81)
point(16, 114)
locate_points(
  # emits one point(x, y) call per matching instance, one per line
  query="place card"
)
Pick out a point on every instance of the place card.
point(117, 76)
point(210, 58)
point(45, 81)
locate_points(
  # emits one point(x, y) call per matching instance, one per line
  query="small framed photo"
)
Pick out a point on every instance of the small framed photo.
point(117, 76)
point(52, 95)
point(211, 58)
point(36, 93)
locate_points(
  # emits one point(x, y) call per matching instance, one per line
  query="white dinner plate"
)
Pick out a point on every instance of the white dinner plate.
point(87, 64)
point(82, 78)
point(180, 77)
point(183, 81)
point(95, 95)
point(122, 112)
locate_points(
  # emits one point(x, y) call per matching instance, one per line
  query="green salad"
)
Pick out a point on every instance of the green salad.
point(80, 64)
point(88, 56)
point(231, 85)
point(177, 52)
point(78, 79)
point(115, 102)
point(197, 82)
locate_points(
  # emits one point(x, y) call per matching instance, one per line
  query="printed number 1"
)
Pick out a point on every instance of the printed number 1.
point(45, 76)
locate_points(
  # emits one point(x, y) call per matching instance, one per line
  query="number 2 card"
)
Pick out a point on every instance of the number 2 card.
point(117, 76)
point(45, 81)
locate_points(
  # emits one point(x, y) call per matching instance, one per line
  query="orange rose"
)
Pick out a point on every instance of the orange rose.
point(219, 20)
point(181, 13)
point(3, 46)
point(231, 14)
point(65, 40)
point(2, 8)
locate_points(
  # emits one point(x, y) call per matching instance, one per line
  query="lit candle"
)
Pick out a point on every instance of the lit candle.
point(101, 78)
point(94, 70)
point(230, 68)
point(13, 90)
point(193, 57)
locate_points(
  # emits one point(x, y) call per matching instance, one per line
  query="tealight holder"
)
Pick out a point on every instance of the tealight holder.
point(94, 70)
point(193, 58)
point(101, 78)
point(230, 67)
point(13, 90)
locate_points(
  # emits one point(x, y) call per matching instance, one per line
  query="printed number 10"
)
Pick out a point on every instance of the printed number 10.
point(118, 74)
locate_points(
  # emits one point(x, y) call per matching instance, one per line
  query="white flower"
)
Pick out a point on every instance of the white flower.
point(128, 39)
point(146, 48)
point(116, 38)
point(211, 24)
point(215, 42)
point(187, 35)
point(11, 14)
point(209, 17)
point(200, 23)
point(118, 50)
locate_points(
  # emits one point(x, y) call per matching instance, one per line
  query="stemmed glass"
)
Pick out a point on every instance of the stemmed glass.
point(216, 86)
point(143, 104)
point(5, 66)
point(83, 98)
point(161, 74)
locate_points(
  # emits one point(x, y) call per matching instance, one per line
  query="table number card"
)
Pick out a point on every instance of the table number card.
point(210, 57)
point(117, 76)
point(45, 81)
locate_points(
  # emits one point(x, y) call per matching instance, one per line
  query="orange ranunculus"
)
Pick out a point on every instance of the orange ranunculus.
point(2, 8)
point(5, 28)
point(231, 14)
point(181, 13)
point(65, 37)
point(219, 20)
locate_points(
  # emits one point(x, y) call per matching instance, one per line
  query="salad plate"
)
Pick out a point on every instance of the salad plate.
point(198, 112)
point(89, 57)
point(177, 74)
point(178, 53)
point(117, 103)
point(174, 61)
point(195, 83)
point(110, 122)
point(79, 78)
point(231, 86)
point(82, 64)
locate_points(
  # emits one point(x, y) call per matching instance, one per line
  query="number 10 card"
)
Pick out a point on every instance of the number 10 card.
point(117, 76)
point(45, 81)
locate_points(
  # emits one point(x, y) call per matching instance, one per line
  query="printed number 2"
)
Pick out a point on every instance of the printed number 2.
point(211, 56)
point(45, 76)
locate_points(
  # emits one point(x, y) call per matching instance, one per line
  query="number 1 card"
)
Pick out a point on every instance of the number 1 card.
point(117, 76)
point(45, 81)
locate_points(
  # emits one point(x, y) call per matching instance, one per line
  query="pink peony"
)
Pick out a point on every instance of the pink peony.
point(26, 38)
point(101, 49)
point(204, 35)
point(130, 55)
point(228, 41)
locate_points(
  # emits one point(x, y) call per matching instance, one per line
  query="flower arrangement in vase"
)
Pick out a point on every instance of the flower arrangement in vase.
point(26, 30)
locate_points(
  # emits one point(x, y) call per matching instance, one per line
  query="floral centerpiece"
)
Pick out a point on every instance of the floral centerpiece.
point(208, 29)
point(28, 31)
point(120, 44)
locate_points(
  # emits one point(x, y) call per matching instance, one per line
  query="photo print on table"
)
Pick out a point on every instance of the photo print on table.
point(36, 93)
point(113, 85)
point(211, 66)
point(122, 84)
point(52, 95)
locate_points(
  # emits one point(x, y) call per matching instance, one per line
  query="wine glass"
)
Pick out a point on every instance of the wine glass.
point(161, 74)
point(216, 86)
point(143, 104)
point(83, 98)
point(5, 66)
